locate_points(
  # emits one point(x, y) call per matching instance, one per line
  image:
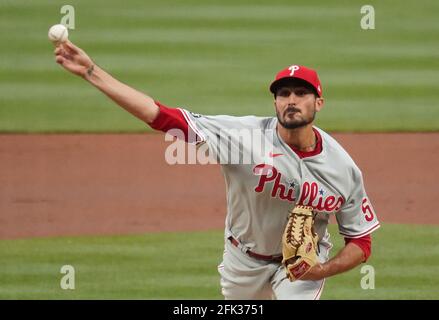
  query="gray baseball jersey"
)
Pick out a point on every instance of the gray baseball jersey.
point(261, 190)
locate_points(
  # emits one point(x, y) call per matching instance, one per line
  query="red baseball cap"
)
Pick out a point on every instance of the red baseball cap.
point(297, 72)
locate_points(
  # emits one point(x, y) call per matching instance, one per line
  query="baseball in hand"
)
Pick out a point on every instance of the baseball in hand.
point(58, 33)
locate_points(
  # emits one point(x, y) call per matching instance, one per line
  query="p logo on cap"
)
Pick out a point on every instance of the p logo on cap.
point(293, 68)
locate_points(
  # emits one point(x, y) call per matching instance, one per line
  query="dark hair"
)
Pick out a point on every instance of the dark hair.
point(295, 82)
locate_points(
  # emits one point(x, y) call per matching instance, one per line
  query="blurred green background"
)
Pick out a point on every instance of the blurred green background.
point(218, 57)
point(184, 266)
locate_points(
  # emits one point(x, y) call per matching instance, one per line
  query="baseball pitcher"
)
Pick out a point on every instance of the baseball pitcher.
point(279, 201)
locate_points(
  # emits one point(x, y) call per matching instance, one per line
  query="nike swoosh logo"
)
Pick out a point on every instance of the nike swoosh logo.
point(274, 155)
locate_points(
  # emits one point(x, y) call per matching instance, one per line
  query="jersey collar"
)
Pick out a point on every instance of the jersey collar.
point(302, 154)
point(318, 148)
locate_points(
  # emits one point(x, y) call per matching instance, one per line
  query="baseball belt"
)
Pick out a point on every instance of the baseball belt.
point(273, 258)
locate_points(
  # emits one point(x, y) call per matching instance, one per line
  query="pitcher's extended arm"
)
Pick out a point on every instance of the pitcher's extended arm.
point(76, 61)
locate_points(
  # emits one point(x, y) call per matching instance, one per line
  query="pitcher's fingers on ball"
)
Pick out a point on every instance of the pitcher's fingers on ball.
point(58, 50)
point(70, 47)
point(62, 53)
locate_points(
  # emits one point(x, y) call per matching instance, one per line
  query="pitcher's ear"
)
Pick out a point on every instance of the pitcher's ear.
point(320, 103)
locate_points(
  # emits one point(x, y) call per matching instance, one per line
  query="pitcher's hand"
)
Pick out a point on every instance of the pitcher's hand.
point(73, 59)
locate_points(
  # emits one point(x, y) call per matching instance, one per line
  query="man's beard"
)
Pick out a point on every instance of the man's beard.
point(294, 123)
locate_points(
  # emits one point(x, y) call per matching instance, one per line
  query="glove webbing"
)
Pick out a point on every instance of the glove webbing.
point(296, 224)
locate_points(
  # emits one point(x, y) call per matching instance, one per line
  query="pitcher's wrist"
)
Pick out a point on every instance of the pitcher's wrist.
point(89, 72)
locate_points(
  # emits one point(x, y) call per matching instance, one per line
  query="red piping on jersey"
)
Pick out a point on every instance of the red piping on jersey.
point(318, 148)
point(363, 233)
point(364, 243)
point(317, 297)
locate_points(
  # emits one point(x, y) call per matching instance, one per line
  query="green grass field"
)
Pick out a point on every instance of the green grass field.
point(218, 57)
point(183, 266)
point(215, 57)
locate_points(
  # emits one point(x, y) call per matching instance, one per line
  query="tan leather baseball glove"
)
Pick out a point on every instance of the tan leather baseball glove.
point(299, 243)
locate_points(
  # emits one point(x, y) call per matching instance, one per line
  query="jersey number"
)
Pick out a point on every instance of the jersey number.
point(367, 210)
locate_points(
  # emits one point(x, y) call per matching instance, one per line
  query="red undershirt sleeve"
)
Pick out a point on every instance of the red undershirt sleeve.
point(171, 118)
point(365, 244)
